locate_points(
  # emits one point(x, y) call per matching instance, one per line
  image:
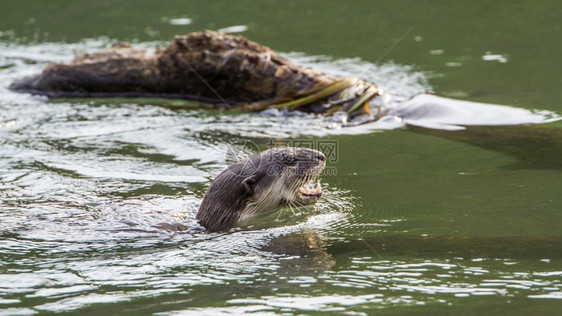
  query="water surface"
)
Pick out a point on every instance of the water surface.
point(413, 220)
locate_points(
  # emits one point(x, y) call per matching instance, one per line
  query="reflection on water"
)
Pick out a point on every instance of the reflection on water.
point(534, 146)
point(83, 183)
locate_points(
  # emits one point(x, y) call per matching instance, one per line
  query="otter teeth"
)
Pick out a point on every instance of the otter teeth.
point(307, 189)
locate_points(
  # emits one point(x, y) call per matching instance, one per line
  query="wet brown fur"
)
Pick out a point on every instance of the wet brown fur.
point(258, 185)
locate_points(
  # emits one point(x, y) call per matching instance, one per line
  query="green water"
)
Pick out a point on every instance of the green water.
point(413, 221)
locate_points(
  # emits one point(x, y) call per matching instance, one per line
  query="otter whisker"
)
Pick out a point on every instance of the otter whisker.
point(296, 206)
point(288, 206)
point(299, 204)
point(279, 215)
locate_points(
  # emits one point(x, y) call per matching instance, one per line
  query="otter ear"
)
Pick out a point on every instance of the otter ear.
point(248, 185)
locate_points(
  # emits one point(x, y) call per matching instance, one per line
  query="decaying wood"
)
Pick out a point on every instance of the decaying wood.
point(207, 66)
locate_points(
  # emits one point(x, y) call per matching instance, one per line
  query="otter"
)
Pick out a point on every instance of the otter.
point(261, 184)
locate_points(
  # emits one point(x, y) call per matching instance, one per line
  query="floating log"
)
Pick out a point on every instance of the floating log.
point(205, 66)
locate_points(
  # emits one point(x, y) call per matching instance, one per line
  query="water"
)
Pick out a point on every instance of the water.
point(413, 220)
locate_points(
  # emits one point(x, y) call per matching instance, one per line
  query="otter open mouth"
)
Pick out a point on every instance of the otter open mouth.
point(309, 192)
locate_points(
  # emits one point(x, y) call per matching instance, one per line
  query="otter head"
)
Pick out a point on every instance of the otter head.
point(261, 184)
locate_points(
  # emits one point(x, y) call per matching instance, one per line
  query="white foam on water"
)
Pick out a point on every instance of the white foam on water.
point(234, 29)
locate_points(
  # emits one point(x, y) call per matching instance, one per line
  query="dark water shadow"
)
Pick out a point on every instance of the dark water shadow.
point(519, 247)
point(534, 146)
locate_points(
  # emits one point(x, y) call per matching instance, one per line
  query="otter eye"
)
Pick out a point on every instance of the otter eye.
point(290, 160)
